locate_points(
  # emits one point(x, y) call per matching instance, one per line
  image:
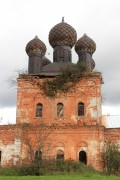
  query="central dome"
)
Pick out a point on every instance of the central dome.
point(62, 34)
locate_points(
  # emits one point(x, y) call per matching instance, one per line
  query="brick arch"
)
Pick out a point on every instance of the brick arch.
point(59, 146)
point(82, 144)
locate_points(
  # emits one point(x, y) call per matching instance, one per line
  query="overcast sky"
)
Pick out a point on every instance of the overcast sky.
point(22, 20)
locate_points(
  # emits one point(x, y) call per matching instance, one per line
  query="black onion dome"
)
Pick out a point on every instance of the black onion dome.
point(85, 44)
point(35, 46)
point(45, 61)
point(62, 34)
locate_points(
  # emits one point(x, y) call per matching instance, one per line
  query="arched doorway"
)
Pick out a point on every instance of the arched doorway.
point(38, 156)
point(0, 156)
point(60, 155)
point(83, 157)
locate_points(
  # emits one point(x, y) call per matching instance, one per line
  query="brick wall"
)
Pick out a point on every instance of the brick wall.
point(88, 91)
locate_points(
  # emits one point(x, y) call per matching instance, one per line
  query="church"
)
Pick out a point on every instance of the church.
point(59, 112)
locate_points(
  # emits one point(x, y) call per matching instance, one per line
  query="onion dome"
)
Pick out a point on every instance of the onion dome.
point(62, 34)
point(85, 44)
point(35, 46)
point(45, 61)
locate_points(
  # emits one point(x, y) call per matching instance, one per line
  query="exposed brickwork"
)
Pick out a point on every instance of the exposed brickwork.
point(87, 91)
point(113, 135)
point(71, 133)
point(10, 145)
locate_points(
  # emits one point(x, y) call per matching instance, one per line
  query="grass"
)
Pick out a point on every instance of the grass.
point(86, 176)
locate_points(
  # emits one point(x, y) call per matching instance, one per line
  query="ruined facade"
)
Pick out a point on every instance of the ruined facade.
point(58, 123)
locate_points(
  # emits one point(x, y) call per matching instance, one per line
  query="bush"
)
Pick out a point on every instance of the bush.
point(65, 167)
point(112, 159)
point(48, 167)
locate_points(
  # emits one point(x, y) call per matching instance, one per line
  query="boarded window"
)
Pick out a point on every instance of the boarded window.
point(81, 109)
point(38, 155)
point(60, 110)
point(0, 157)
point(39, 110)
point(60, 155)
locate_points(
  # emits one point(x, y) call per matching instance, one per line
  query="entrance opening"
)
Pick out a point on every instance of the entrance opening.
point(83, 157)
point(38, 156)
point(60, 155)
point(0, 156)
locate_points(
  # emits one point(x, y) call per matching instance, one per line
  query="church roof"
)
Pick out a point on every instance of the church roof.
point(62, 34)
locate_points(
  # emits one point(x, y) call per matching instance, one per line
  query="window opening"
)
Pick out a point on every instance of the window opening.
point(60, 110)
point(39, 109)
point(81, 109)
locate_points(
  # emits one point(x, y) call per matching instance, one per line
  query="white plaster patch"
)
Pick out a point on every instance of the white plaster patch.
point(10, 151)
point(93, 113)
point(93, 147)
point(73, 117)
point(93, 102)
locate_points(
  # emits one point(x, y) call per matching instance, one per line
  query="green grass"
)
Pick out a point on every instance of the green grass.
point(61, 177)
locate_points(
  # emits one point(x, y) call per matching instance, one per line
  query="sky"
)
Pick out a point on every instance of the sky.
point(22, 20)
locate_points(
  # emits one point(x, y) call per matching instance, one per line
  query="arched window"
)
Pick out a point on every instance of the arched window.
point(83, 157)
point(60, 155)
point(39, 109)
point(38, 156)
point(0, 156)
point(60, 110)
point(81, 109)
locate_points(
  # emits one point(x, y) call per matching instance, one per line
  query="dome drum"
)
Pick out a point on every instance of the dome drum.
point(35, 64)
point(85, 58)
point(62, 54)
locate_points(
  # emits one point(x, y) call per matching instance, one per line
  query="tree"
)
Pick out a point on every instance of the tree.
point(36, 138)
point(112, 158)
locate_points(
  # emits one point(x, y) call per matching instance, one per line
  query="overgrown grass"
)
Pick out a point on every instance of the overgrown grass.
point(54, 170)
point(48, 167)
point(61, 177)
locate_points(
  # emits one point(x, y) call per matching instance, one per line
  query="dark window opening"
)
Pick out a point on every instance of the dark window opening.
point(83, 157)
point(39, 109)
point(60, 110)
point(81, 109)
point(38, 155)
point(60, 155)
point(0, 157)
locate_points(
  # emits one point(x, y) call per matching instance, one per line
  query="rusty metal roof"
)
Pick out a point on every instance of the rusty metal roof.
point(58, 66)
point(35, 46)
point(62, 34)
point(85, 43)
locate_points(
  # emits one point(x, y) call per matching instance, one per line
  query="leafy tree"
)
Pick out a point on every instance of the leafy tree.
point(112, 158)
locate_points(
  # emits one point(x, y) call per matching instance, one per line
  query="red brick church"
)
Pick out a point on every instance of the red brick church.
point(58, 118)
